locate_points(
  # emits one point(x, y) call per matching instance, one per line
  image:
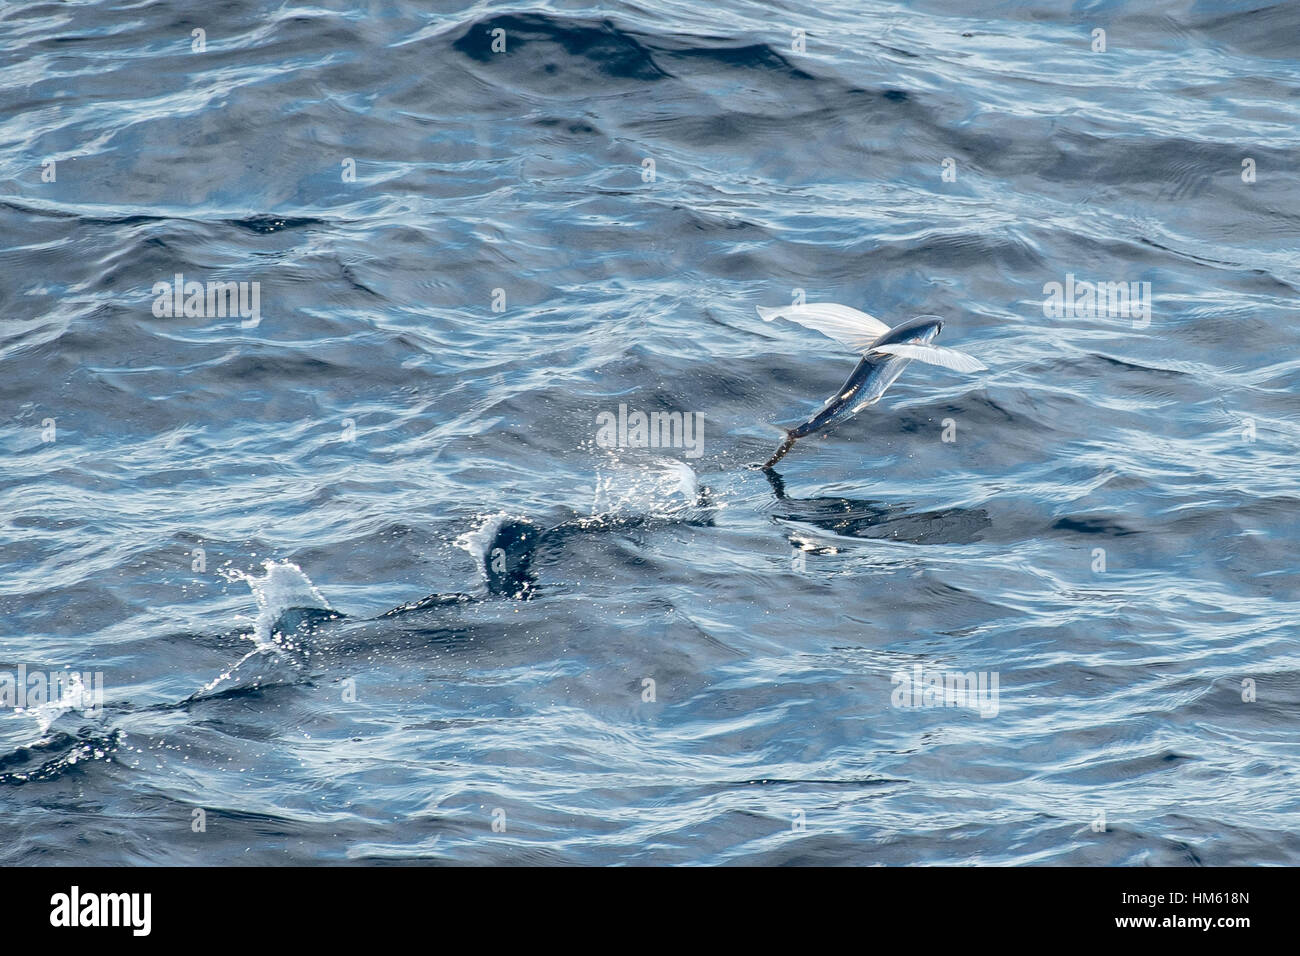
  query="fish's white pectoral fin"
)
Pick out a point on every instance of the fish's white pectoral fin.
point(855, 329)
point(934, 355)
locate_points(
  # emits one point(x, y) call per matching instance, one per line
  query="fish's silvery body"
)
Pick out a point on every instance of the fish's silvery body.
point(885, 353)
point(872, 376)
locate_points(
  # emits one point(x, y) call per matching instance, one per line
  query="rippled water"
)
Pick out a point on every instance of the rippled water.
point(1110, 535)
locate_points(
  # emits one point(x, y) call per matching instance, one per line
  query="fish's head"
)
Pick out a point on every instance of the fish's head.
point(919, 330)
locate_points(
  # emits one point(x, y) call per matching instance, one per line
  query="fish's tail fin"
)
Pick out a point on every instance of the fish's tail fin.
point(786, 444)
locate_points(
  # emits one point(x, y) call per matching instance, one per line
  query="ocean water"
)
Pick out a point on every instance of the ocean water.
point(477, 233)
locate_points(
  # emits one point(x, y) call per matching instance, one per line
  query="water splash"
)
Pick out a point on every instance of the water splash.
point(478, 540)
point(72, 695)
point(662, 487)
point(284, 586)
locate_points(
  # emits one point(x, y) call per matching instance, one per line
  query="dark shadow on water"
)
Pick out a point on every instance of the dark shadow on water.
point(863, 518)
